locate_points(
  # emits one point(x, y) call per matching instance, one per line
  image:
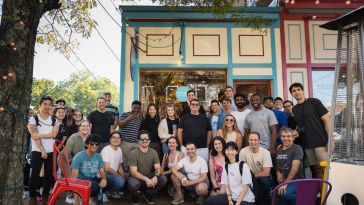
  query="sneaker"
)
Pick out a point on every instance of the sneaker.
point(135, 200)
point(178, 200)
point(69, 198)
point(114, 195)
point(200, 200)
point(148, 198)
point(105, 199)
point(25, 194)
point(91, 201)
point(40, 198)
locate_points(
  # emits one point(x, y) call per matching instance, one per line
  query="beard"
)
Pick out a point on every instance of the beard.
point(240, 105)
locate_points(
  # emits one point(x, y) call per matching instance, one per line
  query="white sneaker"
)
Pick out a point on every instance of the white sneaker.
point(91, 201)
point(105, 199)
point(25, 194)
point(69, 199)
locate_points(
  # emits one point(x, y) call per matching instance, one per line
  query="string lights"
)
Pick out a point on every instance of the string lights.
point(348, 2)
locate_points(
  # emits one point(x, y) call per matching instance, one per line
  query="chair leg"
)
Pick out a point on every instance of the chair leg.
point(85, 199)
point(52, 198)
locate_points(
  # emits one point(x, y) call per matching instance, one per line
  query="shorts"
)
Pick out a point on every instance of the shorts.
point(316, 155)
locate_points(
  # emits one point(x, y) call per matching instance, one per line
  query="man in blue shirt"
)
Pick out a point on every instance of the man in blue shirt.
point(86, 164)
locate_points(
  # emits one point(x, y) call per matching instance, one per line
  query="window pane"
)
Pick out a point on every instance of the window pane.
point(323, 82)
point(159, 86)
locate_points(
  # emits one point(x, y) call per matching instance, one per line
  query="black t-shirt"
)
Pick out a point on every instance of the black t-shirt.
point(170, 124)
point(101, 122)
point(151, 125)
point(195, 128)
point(285, 159)
point(63, 131)
point(308, 117)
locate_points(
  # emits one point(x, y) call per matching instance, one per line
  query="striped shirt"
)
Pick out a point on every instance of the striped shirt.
point(129, 133)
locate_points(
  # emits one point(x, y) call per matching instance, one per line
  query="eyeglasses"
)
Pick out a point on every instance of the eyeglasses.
point(227, 120)
point(116, 138)
point(195, 104)
point(76, 114)
point(144, 139)
point(94, 144)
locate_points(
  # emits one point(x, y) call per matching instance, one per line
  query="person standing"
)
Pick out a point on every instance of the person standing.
point(229, 94)
point(129, 124)
point(102, 122)
point(167, 128)
point(264, 122)
point(113, 110)
point(216, 117)
point(191, 95)
point(230, 132)
point(313, 122)
point(43, 129)
point(150, 123)
point(196, 128)
point(241, 112)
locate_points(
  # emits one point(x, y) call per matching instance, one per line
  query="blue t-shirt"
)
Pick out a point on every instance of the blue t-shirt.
point(87, 166)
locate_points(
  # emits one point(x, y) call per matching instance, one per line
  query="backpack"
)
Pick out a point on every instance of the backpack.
point(38, 124)
point(255, 189)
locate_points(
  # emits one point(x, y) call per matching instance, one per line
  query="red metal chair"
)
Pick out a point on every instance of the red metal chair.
point(81, 187)
point(307, 190)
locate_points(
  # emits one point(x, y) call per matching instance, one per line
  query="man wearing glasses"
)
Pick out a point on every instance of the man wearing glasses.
point(86, 164)
point(145, 171)
point(196, 128)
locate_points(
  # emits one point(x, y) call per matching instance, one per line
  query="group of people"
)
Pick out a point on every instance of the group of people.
point(235, 154)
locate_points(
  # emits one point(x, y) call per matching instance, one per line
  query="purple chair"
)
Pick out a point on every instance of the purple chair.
point(307, 190)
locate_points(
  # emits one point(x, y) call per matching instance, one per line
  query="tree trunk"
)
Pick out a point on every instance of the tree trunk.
point(18, 30)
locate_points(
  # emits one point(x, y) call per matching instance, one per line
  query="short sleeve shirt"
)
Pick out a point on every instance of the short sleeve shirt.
point(235, 181)
point(44, 127)
point(195, 128)
point(111, 156)
point(256, 161)
point(261, 121)
point(143, 161)
point(129, 133)
point(193, 169)
point(285, 159)
point(88, 167)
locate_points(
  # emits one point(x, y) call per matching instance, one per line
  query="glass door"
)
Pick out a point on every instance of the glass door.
point(262, 87)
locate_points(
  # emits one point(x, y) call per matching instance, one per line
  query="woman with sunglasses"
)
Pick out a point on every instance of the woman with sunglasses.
point(168, 126)
point(150, 123)
point(170, 159)
point(216, 163)
point(230, 131)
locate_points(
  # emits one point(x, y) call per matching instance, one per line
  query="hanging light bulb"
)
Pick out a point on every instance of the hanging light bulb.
point(292, 1)
point(348, 2)
point(317, 2)
point(286, 1)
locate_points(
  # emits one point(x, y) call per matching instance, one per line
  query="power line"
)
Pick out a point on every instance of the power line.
point(79, 59)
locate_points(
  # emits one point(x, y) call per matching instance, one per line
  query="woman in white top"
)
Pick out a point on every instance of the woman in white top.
point(230, 131)
point(168, 126)
point(170, 159)
point(235, 189)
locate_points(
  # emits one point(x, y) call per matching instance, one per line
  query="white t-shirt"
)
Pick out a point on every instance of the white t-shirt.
point(114, 157)
point(256, 161)
point(45, 127)
point(240, 118)
point(235, 181)
point(214, 125)
point(193, 170)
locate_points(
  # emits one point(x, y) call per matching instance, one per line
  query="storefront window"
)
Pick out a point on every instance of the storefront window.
point(323, 82)
point(160, 86)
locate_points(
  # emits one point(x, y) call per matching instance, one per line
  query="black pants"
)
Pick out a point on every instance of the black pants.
point(221, 199)
point(36, 164)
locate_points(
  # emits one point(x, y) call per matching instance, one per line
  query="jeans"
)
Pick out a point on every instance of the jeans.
point(221, 199)
point(135, 185)
point(165, 148)
point(36, 164)
point(288, 197)
point(95, 188)
point(266, 186)
point(114, 183)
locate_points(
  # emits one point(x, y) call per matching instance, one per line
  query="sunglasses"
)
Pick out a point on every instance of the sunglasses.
point(195, 104)
point(144, 139)
point(94, 144)
point(227, 120)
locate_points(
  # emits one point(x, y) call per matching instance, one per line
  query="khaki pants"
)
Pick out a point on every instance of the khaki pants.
point(126, 148)
point(316, 155)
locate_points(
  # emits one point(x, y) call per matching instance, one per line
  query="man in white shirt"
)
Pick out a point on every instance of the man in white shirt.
point(195, 180)
point(241, 112)
point(260, 162)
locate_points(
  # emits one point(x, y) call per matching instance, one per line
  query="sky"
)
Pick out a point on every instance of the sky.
point(93, 52)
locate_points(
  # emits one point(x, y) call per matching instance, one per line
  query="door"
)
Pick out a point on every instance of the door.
point(262, 87)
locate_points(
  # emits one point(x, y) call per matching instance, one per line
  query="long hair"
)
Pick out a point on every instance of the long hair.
point(169, 151)
point(156, 118)
point(165, 113)
point(225, 129)
point(212, 147)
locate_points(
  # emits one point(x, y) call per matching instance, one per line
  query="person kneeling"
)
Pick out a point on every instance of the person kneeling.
point(142, 161)
point(237, 184)
point(86, 164)
point(196, 170)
